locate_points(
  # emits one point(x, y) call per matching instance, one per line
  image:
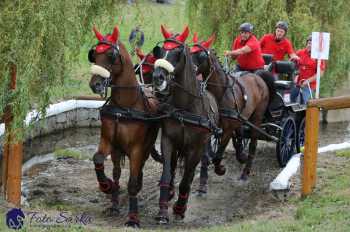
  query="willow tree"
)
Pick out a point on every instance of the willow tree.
point(224, 17)
point(43, 39)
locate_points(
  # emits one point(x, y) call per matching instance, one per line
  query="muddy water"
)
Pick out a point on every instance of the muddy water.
point(71, 184)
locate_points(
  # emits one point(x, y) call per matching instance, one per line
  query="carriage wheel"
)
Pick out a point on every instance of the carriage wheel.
point(286, 145)
point(301, 134)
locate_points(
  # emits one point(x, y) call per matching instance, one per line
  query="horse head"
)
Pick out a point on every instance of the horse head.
point(170, 59)
point(200, 53)
point(107, 60)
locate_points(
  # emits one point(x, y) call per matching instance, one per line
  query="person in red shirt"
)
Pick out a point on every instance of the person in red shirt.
point(246, 50)
point(306, 80)
point(277, 44)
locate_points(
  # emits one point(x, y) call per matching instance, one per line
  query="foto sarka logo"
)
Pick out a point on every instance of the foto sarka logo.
point(15, 218)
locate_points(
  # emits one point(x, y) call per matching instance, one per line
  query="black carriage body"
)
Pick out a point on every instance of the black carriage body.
point(284, 120)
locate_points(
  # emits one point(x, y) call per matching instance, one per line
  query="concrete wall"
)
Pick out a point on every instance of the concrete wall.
point(80, 117)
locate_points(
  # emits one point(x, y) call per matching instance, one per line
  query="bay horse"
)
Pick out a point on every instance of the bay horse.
point(193, 116)
point(239, 98)
point(125, 129)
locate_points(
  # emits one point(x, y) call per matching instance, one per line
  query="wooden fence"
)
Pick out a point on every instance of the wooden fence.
point(311, 137)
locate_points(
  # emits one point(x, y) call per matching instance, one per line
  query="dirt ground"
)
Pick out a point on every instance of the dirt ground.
point(70, 185)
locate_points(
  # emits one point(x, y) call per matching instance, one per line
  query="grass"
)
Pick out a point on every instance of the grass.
point(69, 153)
point(146, 14)
point(343, 153)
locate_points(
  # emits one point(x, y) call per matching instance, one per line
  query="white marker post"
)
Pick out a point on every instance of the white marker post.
point(320, 51)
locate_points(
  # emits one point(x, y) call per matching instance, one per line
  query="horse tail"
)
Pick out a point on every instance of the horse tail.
point(269, 80)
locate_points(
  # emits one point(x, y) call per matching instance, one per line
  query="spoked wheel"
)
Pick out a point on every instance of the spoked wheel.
point(301, 134)
point(286, 145)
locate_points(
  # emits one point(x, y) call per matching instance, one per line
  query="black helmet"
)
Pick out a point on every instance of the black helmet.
point(283, 25)
point(246, 27)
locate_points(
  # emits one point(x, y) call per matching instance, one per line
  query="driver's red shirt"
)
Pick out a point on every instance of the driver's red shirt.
point(252, 60)
point(278, 49)
point(307, 67)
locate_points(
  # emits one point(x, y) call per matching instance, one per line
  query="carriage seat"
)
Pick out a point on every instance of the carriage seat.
point(283, 85)
point(285, 67)
point(267, 58)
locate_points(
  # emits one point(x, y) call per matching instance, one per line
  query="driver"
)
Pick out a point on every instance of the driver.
point(246, 50)
point(277, 44)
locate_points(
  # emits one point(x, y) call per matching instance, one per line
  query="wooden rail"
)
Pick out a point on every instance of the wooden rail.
point(94, 98)
point(311, 137)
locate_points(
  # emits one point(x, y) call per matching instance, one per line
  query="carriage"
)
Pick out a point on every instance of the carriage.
point(284, 121)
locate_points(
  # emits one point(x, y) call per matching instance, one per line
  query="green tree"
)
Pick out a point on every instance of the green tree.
point(43, 39)
point(224, 17)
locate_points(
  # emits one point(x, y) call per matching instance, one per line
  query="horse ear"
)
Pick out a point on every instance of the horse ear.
point(115, 34)
point(184, 34)
point(195, 38)
point(209, 42)
point(165, 33)
point(99, 36)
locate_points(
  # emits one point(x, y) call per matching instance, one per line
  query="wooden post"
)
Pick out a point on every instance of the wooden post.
point(14, 173)
point(310, 151)
point(13, 155)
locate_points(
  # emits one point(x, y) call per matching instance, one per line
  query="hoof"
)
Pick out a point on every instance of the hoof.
point(200, 193)
point(243, 177)
point(179, 217)
point(242, 158)
point(202, 190)
point(132, 224)
point(112, 211)
point(220, 170)
point(162, 220)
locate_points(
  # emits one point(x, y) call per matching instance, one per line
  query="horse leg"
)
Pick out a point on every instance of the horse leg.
point(256, 119)
point(106, 184)
point(219, 168)
point(165, 180)
point(203, 178)
point(173, 174)
point(137, 161)
point(114, 209)
point(237, 141)
point(191, 162)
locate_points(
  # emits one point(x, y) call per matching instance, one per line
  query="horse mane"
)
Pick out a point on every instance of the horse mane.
point(189, 72)
point(216, 61)
point(269, 81)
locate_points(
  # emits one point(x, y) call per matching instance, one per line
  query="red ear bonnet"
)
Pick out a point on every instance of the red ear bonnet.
point(100, 48)
point(165, 32)
point(209, 42)
point(206, 44)
point(169, 45)
point(195, 38)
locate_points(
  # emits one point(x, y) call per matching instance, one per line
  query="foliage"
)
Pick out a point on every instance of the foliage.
point(43, 39)
point(224, 17)
point(48, 40)
point(69, 153)
point(343, 153)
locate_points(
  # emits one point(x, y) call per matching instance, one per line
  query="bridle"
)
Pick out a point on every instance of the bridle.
point(107, 79)
point(169, 78)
